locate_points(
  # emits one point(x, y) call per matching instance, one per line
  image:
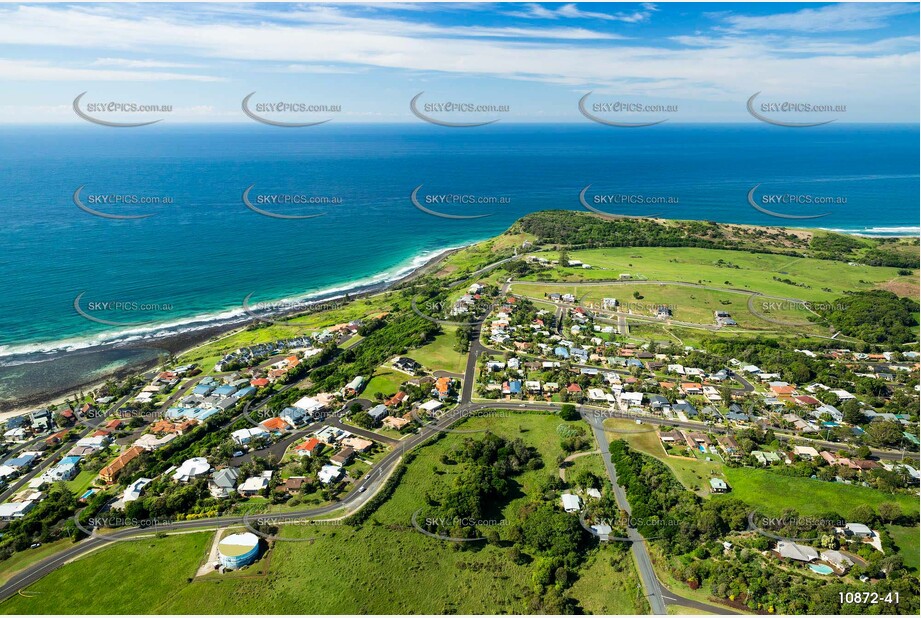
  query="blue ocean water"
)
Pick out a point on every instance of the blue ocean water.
point(203, 252)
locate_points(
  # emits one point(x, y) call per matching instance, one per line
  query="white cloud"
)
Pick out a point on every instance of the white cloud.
point(843, 17)
point(31, 70)
point(572, 11)
point(141, 64)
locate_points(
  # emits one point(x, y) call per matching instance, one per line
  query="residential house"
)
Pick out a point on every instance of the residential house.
point(111, 471)
point(223, 482)
point(797, 552)
point(308, 448)
point(343, 457)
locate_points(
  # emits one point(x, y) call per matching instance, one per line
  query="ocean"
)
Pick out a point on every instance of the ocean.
point(202, 250)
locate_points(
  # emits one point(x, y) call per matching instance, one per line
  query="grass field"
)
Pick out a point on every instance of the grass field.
point(81, 482)
point(906, 539)
point(606, 585)
point(386, 381)
point(826, 280)
point(772, 493)
point(440, 353)
point(383, 567)
point(22, 559)
point(125, 578)
point(592, 463)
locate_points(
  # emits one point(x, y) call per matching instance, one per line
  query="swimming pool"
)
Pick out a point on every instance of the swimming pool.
point(821, 569)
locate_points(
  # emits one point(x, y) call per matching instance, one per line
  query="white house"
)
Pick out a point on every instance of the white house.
point(430, 406)
point(191, 468)
point(571, 503)
point(329, 474)
point(248, 434)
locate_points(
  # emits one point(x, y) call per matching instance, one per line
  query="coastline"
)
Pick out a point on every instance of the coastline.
point(117, 354)
point(176, 341)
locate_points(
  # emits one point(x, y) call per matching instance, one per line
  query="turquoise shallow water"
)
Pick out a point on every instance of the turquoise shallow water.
point(202, 252)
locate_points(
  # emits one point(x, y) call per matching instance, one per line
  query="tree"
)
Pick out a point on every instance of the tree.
point(883, 433)
point(863, 513)
point(889, 511)
point(363, 419)
point(568, 412)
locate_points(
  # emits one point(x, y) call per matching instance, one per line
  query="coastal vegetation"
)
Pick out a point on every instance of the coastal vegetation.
point(584, 230)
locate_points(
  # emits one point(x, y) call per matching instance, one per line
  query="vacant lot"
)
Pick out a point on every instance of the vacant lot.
point(811, 279)
point(771, 493)
point(694, 474)
point(386, 381)
point(125, 578)
point(440, 353)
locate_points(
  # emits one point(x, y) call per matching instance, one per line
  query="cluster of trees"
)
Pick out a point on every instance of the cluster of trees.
point(398, 334)
point(582, 230)
point(664, 509)
point(874, 316)
point(489, 465)
point(48, 521)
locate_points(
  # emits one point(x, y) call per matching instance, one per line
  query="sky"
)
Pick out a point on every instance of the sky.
point(531, 62)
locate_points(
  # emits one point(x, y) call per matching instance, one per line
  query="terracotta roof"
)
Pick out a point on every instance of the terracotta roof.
point(274, 424)
point(309, 445)
point(110, 472)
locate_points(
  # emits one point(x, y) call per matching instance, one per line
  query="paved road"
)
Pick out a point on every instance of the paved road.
point(637, 546)
point(351, 502)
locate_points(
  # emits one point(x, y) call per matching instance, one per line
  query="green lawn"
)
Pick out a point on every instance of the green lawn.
point(81, 482)
point(133, 577)
point(906, 539)
point(440, 353)
point(772, 493)
point(386, 381)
